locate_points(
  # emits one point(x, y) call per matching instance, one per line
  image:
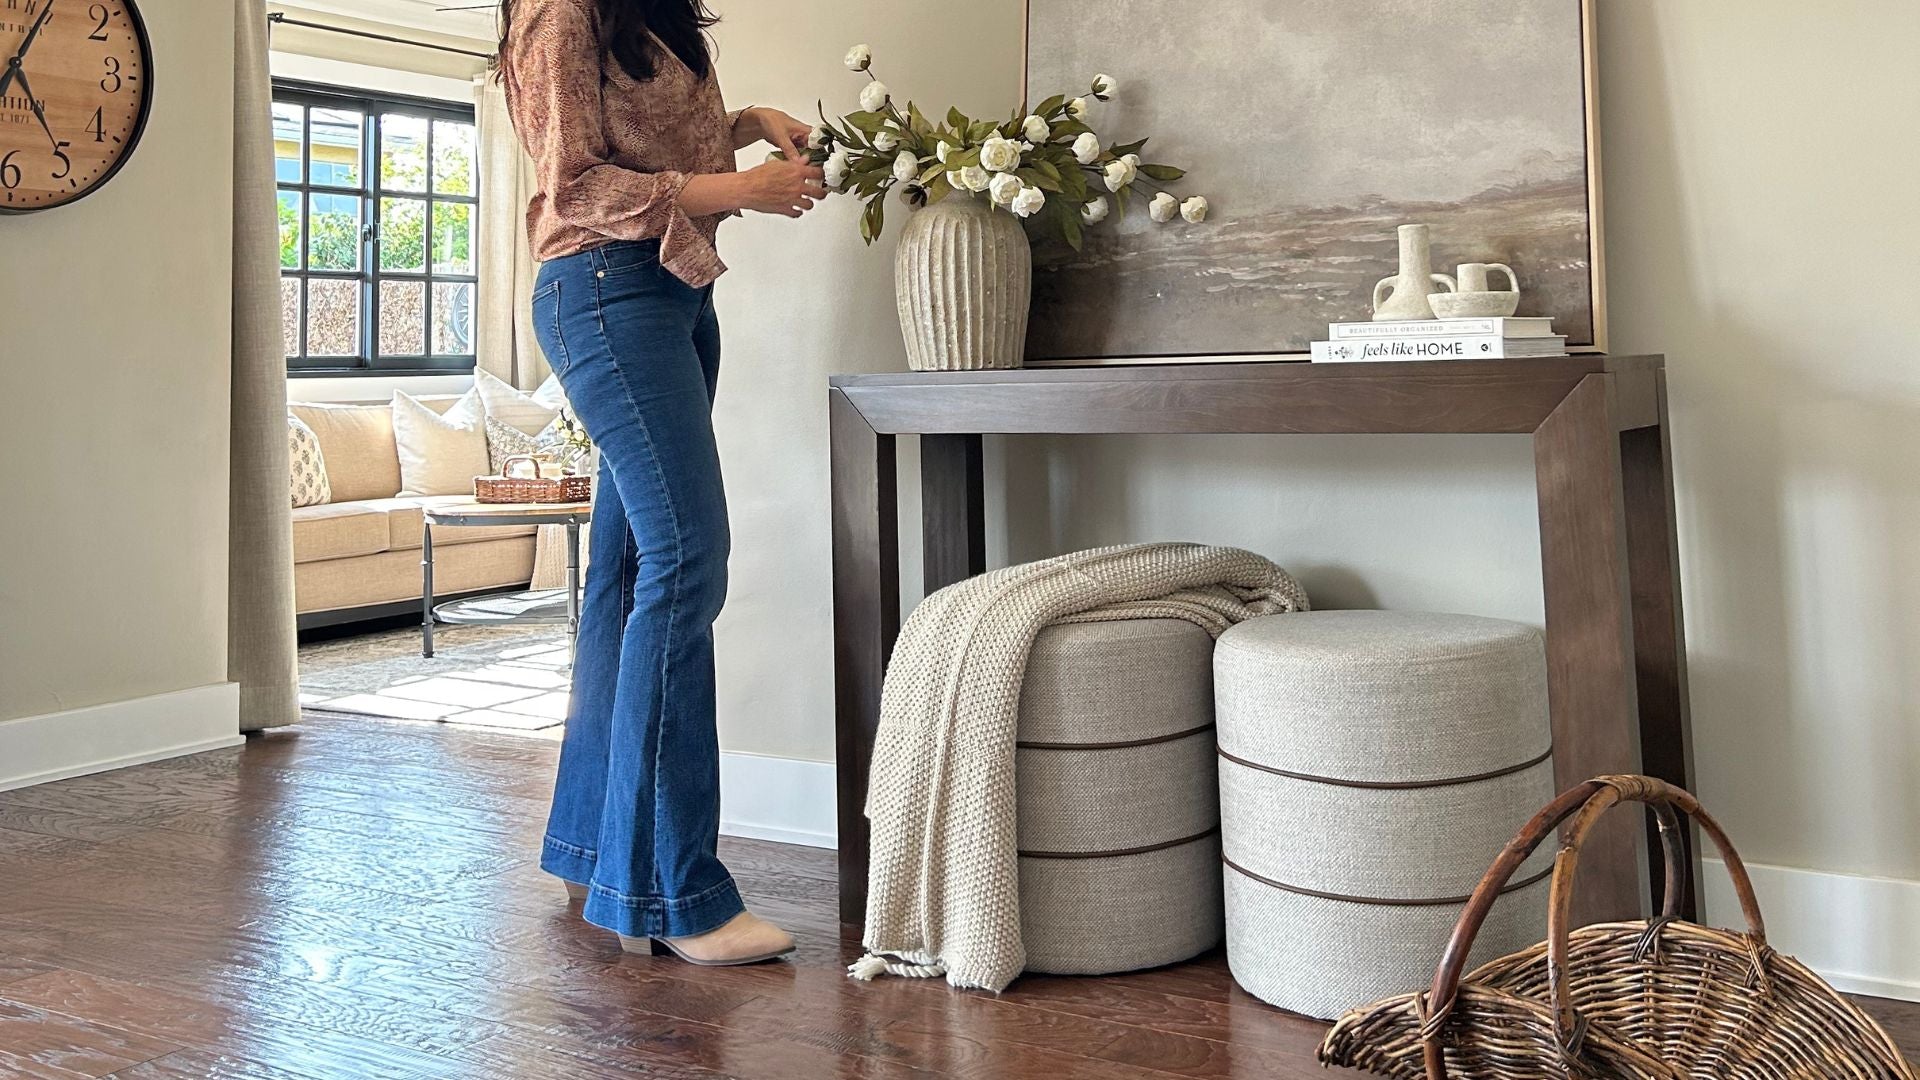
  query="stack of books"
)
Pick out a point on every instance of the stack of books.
point(1440, 339)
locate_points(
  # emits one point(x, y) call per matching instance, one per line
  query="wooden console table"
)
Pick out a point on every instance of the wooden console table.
point(1616, 666)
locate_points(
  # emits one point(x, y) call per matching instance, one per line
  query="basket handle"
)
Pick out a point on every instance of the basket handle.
point(506, 467)
point(1588, 801)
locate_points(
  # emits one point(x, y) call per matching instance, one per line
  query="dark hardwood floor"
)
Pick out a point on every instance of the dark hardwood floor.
point(355, 899)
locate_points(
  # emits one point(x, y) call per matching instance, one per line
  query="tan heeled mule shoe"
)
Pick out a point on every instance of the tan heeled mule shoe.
point(745, 939)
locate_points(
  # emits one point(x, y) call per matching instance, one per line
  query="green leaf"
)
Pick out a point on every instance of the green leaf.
point(1038, 179)
point(917, 123)
point(868, 122)
point(982, 130)
point(1069, 128)
point(1071, 227)
point(1120, 150)
point(873, 221)
point(1045, 168)
point(1166, 174)
point(928, 174)
point(1050, 106)
point(938, 189)
point(956, 119)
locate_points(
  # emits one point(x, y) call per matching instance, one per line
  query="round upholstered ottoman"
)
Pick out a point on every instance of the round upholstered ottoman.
point(1372, 766)
point(1119, 812)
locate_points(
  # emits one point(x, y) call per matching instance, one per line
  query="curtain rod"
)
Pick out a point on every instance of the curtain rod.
point(281, 17)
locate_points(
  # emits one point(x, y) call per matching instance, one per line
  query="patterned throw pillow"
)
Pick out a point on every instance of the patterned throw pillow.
point(505, 441)
point(309, 469)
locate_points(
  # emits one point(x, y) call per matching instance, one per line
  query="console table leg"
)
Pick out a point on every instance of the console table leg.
point(1659, 637)
point(866, 620)
point(952, 508)
point(1590, 658)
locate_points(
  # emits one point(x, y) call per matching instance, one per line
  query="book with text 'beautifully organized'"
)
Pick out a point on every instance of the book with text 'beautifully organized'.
point(1474, 347)
point(1500, 328)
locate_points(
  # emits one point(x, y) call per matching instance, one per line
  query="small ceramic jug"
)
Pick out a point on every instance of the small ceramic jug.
point(1404, 296)
point(1473, 277)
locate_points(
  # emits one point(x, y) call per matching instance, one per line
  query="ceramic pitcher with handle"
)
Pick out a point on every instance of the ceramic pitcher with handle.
point(1404, 296)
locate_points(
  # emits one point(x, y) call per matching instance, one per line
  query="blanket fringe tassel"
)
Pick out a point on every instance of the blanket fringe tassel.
point(874, 965)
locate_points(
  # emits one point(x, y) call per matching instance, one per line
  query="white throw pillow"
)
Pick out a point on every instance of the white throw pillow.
point(514, 407)
point(309, 469)
point(440, 453)
point(506, 441)
point(550, 394)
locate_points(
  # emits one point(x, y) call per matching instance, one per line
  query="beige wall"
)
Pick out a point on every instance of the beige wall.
point(114, 330)
point(1760, 226)
point(805, 299)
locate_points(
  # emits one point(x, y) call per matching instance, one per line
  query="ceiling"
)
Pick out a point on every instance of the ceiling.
point(414, 14)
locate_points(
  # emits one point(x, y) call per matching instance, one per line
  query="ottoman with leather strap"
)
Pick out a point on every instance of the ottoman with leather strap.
point(1119, 811)
point(1372, 764)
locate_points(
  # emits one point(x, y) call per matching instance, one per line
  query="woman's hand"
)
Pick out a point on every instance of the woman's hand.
point(787, 134)
point(782, 186)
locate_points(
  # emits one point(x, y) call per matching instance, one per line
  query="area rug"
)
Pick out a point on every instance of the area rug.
point(502, 678)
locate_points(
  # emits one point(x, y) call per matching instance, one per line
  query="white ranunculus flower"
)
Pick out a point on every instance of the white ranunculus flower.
point(1029, 201)
point(940, 152)
point(1004, 188)
point(1077, 108)
point(873, 96)
point(886, 142)
point(838, 165)
point(1132, 159)
point(1095, 212)
point(1000, 155)
point(906, 166)
point(972, 177)
point(1194, 209)
point(1120, 173)
point(817, 138)
point(1086, 148)
point(1035, 129)
point(1163, 207)
point(859, 58)
point(1105, 86)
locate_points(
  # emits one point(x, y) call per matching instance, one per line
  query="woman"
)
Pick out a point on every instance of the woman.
point(618, 104)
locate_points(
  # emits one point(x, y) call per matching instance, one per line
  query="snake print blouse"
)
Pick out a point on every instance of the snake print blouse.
point(611, 155)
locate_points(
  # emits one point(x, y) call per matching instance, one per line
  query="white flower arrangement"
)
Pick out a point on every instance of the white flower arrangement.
point(1046, 164)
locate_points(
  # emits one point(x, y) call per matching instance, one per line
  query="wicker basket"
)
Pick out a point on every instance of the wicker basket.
point(1659, 1000)
point(508, 488)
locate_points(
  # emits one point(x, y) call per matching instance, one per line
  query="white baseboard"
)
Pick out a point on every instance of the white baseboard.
point(56, 746)
point(779, 799)
point(1862, 934)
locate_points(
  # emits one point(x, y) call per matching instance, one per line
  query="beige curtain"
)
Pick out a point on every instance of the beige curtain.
point(260, 623)
point(503, 332)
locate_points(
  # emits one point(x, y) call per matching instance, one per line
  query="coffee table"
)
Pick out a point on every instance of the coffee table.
point(523, 607)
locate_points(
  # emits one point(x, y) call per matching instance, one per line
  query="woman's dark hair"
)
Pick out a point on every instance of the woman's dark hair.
point(624, 26)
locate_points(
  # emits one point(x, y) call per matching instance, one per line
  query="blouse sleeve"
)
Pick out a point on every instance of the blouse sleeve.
point(554, 62)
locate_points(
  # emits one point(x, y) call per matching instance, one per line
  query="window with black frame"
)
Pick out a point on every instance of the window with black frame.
point(379, 200)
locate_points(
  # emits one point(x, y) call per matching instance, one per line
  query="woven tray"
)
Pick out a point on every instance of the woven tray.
point(508, 488)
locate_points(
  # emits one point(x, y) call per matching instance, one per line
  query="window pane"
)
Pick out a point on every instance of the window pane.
point(289, 127)
point(452, 157)
point(452, 319)
point(403, 318)
point(333, 318)
point(290, 314)
point(290, 230)
point(335, 240)
point(403, 152)
point(403, 235)
point(452, 238)
point(336, 146)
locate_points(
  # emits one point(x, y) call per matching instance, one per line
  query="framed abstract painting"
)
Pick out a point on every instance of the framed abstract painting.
point(1316, 128)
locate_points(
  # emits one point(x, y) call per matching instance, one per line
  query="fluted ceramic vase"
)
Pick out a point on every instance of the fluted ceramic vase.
point(963, 276)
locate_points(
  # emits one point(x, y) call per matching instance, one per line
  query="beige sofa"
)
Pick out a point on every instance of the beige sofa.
point(359, 555)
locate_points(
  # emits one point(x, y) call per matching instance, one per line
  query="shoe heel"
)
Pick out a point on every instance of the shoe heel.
point(658, 947)
point(575, 891)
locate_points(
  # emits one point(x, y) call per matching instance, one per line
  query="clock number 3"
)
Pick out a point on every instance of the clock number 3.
point(112, 82)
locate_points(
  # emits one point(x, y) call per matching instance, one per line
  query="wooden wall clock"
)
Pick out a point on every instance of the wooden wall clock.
point(75, 91)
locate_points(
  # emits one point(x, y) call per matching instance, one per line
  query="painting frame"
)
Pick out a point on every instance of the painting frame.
point(1595, 208)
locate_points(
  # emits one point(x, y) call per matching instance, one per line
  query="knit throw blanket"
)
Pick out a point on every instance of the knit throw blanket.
point(943, 889)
